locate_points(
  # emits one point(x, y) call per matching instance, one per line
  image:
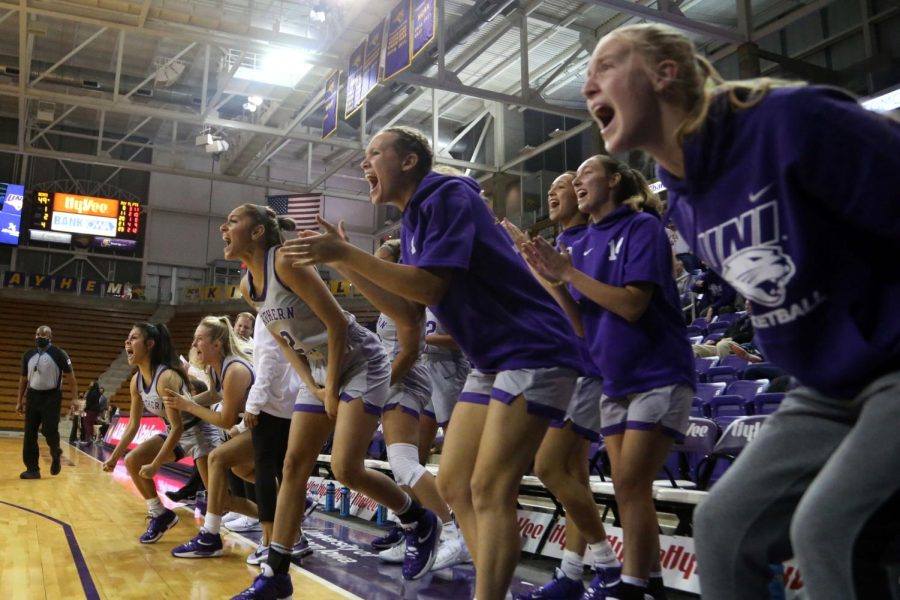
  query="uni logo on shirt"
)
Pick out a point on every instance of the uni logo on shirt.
point(615, 246)
point(747, 251)
point(412, 246)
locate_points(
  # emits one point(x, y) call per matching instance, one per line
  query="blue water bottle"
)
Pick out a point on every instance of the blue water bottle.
point(381, 515)
point(329, 497)
point(345, 501)
point(776, 585)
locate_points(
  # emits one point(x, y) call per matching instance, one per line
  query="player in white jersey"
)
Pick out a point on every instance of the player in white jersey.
point(267, 415)
point(149, 348)
point(230, 373)
point(447, 368)
point(401, 329)
point(346, 374)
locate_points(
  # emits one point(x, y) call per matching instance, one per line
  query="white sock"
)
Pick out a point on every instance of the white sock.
point(212, 523)
point(449, 531)
point(634, 581)
point(407, 504)
point(572, 565)
point(155, 506)
point(602, 555)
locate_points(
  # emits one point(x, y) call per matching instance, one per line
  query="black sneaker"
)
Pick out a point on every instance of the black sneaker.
point(30, 475)
point(55, 464)
point(189, 498)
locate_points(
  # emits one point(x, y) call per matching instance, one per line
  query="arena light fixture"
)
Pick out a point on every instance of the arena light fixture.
point(884, 102)
point(280, 66)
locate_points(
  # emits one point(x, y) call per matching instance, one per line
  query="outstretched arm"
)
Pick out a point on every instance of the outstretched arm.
point(425, 286)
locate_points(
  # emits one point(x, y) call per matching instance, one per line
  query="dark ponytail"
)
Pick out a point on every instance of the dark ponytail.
point(633, 189)
point(163, 352)
point(269, 219)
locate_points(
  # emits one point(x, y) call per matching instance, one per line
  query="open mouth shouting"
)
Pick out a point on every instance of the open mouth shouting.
point(604, 114)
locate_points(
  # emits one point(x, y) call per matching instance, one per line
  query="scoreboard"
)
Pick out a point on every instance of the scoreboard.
point(111, 223)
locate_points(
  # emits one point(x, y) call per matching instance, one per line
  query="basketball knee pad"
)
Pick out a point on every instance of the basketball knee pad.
point(404, 461)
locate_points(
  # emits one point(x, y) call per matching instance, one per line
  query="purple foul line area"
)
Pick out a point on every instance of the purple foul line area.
point(87, 584)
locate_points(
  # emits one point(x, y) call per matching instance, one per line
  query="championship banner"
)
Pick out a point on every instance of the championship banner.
point(423, 25)
point(354, 80)
point(330, 103)
point(397, 57)
point(372, 64)
point(14, 279)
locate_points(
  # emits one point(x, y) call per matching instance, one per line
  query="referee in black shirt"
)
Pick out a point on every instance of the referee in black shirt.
point(40, 397)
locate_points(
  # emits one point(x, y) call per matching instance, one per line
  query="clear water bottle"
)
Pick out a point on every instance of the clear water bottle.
point(345, 501)
point(329, 497)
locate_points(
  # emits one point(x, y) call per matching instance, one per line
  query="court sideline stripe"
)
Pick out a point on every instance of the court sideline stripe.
point(84, 574)
point(318, 579)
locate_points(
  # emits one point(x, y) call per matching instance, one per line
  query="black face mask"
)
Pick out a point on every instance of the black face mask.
point(42, 342)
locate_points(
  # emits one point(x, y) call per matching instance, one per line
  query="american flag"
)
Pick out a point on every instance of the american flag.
point(303, 208)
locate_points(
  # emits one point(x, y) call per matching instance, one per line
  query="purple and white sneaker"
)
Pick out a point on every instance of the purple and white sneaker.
point(259, 556)
point(422, 541)
point(301, 549)
point(310, 507)
point(202, 545)
point(392, 538)
point(558, 588)
point(158, 526)
point(268, 586)
point(604, 581)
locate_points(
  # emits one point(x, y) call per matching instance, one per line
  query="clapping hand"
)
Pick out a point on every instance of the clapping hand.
point(318, 248)
point(546, 261)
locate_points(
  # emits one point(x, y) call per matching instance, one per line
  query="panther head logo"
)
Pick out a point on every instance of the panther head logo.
point(760, 273)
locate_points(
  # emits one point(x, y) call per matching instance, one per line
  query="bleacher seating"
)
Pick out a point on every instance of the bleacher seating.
point(702, 366)
point(705, 391)
point(727, 369)
point(718, 326)
point(767, 403)
point(695, 464)
point(746, 389)
point(735, 438)
point(91, 330)
point(725, 408)
point(681, 469)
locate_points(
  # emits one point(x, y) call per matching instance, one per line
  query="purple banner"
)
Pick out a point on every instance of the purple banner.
point(330, 103)
point(423, 25)
point(354, 80)
point(398, 53)
point(372, 64)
